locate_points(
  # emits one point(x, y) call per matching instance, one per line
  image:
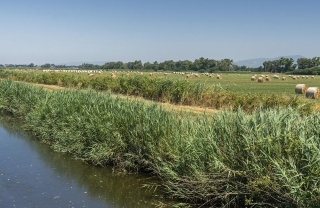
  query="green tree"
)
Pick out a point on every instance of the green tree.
point(167, 65)
point(148, 66)
point(155, 66)
point(137, 64)
point(185, 65)
point(304, 63)
point(315, 61)
point(267, 66)
point(46, 66)
point(225, 65)
point(113, 65)
point(87, 66)
point(289, 65)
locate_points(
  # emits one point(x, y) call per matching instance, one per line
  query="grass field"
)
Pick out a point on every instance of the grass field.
point(231, 82)
point(242, 83)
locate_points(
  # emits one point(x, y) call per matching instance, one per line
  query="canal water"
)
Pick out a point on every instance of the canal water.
point(32, 175)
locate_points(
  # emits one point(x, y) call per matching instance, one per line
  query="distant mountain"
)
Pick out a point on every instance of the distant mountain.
point(256, 62)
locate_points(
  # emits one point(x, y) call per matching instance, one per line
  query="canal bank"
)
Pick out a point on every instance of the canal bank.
point(33, 175)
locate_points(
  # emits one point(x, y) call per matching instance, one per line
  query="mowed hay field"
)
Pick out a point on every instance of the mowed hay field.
point(233, 82)
point(239, 83)
point(242, 83)
point(230, 81)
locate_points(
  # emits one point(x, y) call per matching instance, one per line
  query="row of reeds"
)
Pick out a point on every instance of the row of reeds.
point(175, 91)
point(232, 158)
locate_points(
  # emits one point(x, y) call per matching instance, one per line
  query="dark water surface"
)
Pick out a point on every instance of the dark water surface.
point(32, 175)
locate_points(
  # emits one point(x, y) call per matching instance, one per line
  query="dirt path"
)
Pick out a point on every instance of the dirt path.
point(193, 109)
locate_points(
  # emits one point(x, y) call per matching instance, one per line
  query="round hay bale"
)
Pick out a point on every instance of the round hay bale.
point(253, 78)
point(261, 79)
point(268, 79)
point(313, 92)
point(301, 88)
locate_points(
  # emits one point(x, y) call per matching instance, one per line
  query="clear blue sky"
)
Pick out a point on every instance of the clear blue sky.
point(61, 31)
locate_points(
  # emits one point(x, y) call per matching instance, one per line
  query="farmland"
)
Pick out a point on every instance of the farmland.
point(202, 90)
point(263, 153)
point(232, 81)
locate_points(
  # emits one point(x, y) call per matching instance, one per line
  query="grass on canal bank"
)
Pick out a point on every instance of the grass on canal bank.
point(232, 158)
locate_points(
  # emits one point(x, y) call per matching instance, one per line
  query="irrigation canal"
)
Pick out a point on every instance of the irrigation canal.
point(33, 175)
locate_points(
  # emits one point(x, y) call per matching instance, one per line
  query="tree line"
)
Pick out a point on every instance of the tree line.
point(210, 65)
point(287, 64)
point(202, 64)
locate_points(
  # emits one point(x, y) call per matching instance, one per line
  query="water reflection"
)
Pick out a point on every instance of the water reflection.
point(32, 175)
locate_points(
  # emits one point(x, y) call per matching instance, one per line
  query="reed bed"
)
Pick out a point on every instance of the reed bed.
point(231, 159)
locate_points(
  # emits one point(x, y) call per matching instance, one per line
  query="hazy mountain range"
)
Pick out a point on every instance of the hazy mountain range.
point(256, 62)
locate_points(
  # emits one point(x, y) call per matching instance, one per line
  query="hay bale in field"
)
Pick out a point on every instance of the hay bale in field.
point(313, 92)
point(113, 75)
point(268, 79)
point(301, 88)
point(284, 78)
point(219, 76)
point(261, 79)
point(253, 78)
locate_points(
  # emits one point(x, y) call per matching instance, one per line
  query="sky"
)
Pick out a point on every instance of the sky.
point(63, 31)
